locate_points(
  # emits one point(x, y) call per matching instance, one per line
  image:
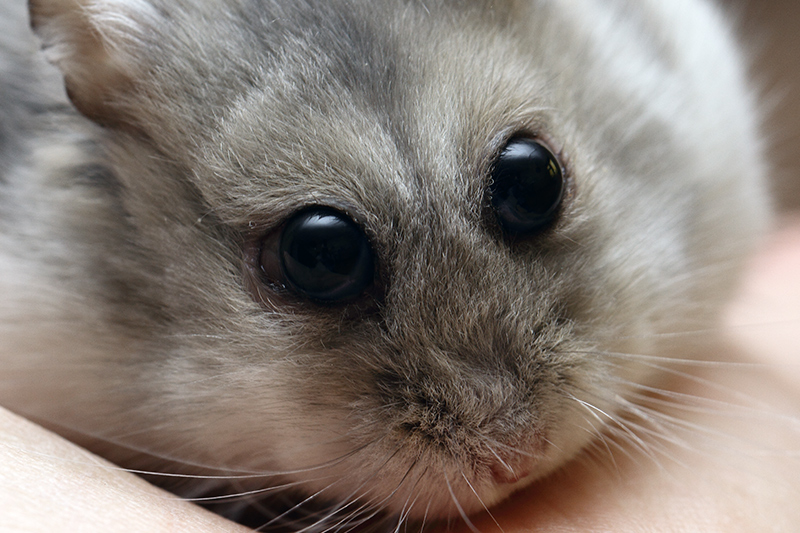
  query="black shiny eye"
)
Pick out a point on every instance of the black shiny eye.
point(527, 187)
point(325, 256)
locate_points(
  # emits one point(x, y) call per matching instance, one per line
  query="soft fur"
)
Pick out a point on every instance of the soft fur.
point(132, 315)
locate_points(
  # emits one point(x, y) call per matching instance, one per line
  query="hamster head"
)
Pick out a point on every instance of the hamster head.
point(385, 252)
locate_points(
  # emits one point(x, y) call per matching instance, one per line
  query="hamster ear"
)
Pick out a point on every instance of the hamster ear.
point(94, 44)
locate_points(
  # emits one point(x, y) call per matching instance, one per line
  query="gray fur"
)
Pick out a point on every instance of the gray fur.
point(132, 315)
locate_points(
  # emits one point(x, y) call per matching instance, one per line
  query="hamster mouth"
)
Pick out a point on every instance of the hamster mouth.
point(411, 475)
point(462, 469)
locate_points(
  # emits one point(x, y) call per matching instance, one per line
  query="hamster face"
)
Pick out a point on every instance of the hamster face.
point(462, 348)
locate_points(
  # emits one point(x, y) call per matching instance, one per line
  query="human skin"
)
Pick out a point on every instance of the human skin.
point(733, 465)
point(741, 471)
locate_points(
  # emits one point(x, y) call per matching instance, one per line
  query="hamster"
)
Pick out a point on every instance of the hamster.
point(368, 261)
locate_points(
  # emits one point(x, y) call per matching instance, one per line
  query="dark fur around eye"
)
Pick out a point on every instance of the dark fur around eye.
point(526, 188)
point(320, 254)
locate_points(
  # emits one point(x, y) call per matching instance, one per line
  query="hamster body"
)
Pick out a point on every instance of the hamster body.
point(149, 312)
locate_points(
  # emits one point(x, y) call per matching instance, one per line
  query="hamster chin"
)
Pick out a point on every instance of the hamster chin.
point(385, 260)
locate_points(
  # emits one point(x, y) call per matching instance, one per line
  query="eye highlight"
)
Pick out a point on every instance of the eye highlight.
point(527, 187)
point(322, 255)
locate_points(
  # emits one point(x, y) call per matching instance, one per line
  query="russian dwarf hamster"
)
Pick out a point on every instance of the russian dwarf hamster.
point(371, 258)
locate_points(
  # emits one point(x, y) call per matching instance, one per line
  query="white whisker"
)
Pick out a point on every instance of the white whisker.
point(620, 428)
point(499, 459)
point(459, 508)
point(480, 500)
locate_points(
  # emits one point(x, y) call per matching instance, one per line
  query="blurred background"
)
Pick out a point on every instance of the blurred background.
point(771, 29)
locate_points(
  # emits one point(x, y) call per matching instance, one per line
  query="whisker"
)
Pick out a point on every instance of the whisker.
point(230, 474)
point(407, 508)
point(299, 505)
point(505, 465)
point(706, 383)
point(514, 449)
point(460, 509)
point(705, 331)
point(354, 499)
point(673, 361)
point(622, 427)
point(606, 446)
point(701, 405)
point(485, 507)
point(425, 517)
point(247, 494)
point(676, 423)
